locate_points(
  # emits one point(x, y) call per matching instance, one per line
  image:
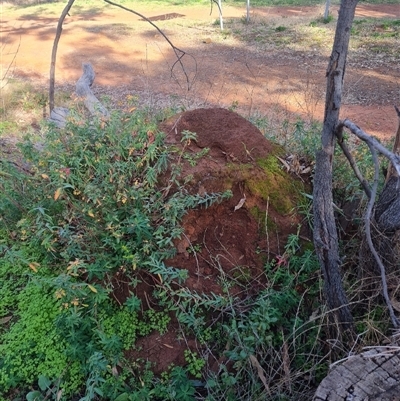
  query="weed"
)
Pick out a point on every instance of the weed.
point(322, 20)
point(195, 364)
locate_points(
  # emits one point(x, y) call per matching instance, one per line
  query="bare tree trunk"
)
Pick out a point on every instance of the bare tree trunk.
point(54, 53)
point(325, 234)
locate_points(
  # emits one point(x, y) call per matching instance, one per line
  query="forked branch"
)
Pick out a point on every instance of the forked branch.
point(179, 53)
point(374, 146)
point(371, 141)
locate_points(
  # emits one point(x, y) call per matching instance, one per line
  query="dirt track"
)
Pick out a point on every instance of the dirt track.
point(130, 57)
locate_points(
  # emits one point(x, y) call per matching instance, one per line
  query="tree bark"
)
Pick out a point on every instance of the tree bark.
point(325, 234)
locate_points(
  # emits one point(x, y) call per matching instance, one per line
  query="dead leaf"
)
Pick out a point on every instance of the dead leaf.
point(90, 213)
point(168, 346)
point(33, 266)
point(241, 203)
point(59, 394)
point(5, 319)
point(284, 163)
point(45, 176)
point(260, 372)
point(151, 137)
point(57, 193)
point(91, 288)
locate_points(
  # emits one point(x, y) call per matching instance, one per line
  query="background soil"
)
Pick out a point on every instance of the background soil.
point(131, 58)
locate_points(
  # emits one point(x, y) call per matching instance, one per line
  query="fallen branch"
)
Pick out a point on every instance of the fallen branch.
point(59, 115)
point(178, 52)
point(84, 92)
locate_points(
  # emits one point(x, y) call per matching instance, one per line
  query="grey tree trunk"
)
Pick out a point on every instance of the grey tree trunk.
point(325, 234)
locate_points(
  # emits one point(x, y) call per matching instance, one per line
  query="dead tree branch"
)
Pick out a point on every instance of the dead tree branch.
point(179, 53)
point(369, 140)
point(12, 62)
point(374, 146)
point(371, 375)
point(59, 115)
point(219, 5)
point(54, 53)
point(368, 219)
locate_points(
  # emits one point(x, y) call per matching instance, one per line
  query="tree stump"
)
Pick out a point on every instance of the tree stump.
point(371, 376)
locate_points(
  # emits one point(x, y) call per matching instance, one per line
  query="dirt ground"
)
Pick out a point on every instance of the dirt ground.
point(131, 58)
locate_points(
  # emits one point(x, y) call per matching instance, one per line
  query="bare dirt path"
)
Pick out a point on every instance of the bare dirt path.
point(131, 58)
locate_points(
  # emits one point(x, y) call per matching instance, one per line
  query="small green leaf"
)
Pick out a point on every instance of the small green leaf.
point(34, 396)
point(44, 382)
point(122, 397)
